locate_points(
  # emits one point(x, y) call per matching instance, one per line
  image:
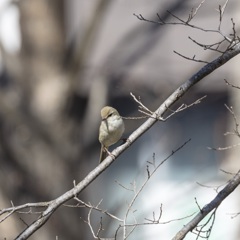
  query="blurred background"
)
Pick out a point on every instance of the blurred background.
point(61, 62)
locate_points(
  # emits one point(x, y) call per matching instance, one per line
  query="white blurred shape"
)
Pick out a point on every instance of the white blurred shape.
point(9, 26)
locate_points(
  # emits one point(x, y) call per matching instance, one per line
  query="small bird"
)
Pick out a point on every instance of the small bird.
point(110, 130)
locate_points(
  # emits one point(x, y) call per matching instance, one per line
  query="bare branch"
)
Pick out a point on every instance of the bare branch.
point(228, 83)
point(200, 229)
point(235, 132)
point(14, 209)
point(184, 107)
point(150, 114)
point(90, 225)
point(124, 222)
point(215, 46)
point(135, 118)
point(194, 12)
point(150, 174)
point(126, 188)
point(178, 22)
point(191, 59)
point(221, 10)
point(143, 108)
point(154, 220)
point(224, 148)
point(90, 206)
point(213, 205)
point(151, 222)
point(230, 173)
point(215, 188)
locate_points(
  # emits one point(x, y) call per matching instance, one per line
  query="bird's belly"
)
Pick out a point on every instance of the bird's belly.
point(111, 133)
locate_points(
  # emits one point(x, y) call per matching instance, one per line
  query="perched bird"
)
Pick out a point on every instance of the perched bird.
point(110, 130)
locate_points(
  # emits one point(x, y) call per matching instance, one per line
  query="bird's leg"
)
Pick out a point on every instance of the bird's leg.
point(109, 153)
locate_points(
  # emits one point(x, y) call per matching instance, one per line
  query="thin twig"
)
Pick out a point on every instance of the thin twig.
point(184, 107)
point(191, 59)
point(150, 175)
point(214, 47)
point(89, 206)
point(194, 13)
point(14, 209)
point(230, 84)
point(143, 109)
point(126, 188)
point(224, 148)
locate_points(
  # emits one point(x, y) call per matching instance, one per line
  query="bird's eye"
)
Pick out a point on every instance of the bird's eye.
point(110, 114)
